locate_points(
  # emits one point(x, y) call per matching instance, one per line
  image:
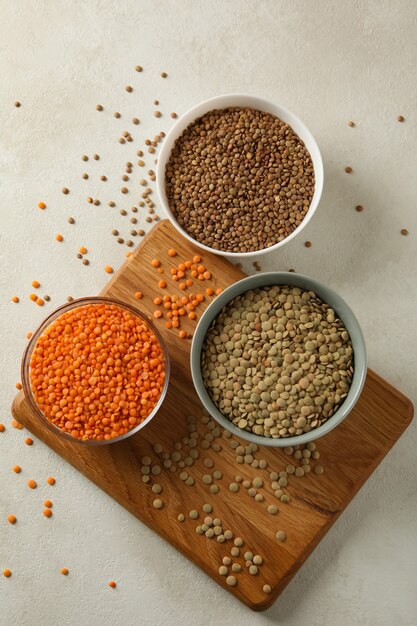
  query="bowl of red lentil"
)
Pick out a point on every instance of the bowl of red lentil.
point(96, 371)
point(239, 175)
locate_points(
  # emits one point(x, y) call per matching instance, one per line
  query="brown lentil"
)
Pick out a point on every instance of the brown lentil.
point(231, 160)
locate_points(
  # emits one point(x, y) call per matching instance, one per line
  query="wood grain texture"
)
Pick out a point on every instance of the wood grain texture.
point(377, 421)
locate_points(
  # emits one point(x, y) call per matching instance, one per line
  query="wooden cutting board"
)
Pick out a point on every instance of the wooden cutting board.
point(349, 454)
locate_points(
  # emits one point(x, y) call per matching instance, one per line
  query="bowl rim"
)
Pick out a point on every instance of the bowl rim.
point(205, 106)
point(283, 278)
point(46, 322)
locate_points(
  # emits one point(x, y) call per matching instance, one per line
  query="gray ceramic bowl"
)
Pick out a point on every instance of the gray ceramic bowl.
point(327, 295)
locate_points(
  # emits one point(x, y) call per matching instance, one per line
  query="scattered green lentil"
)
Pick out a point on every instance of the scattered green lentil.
point(272, 509)
point(266, 589)
point(181, 517)
point(158, 504)
point(281, 535)
point(234, 487)
point(193, 514)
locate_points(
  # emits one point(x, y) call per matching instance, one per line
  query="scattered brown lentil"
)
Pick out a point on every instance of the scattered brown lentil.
point(400, 118)
point(359, 208)
point(348, 169)
point(65, 190)
point(129, 88)
point(99, 107)
point(404, 232)
point(308, 244)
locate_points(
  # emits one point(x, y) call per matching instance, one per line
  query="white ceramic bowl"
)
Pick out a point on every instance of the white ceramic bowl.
point(240, 100)
point(327, 295)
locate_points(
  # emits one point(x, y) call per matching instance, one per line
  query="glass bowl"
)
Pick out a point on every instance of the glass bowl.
point(25, 368)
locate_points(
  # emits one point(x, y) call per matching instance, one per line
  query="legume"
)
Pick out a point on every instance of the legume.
point(227, 180)
point(277, 362)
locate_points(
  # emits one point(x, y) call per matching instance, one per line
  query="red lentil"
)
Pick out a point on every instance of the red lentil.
point(59, 238)
point(48, 504)
point(33, 297)
point(18, 386)
point(15, 299)
point(40, 301)
point(28, 441)
point(51, 480)
point(138, 295)
point(47, 512)
point(7, 573)
point(17, 469)
point(172, 252)
point(162, 284)
point(97, 371)
point(11, 519)
point(155, 263)
point(112, 584)
point(108, 269)
point(32, 484)
point(42, 205)
point(36, 284)
point(16, 425)
point(64, 571)
point(83, 250)
point(2, 428)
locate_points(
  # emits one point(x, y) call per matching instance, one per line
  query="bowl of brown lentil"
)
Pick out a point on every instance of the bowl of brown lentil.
point(239, 175)
point(96, 371)
point(278, 359)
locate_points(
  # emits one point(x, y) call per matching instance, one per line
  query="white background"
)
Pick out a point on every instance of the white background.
point(326, 61)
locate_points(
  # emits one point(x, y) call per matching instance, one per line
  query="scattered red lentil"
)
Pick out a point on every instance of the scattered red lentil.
point(83, 250)
point(64, 571)
point(11, 519)
point(209, 291)
point(42, 205)
point(17, 469)
point(2, 428)
point(48, 504)
point(6, 572)
point(32, 484)
point(15, 299)
point(155, 263)
point(182, 334)
point(162, 284)
point(51, 480)
point(139, 295)
point(157, 314)
point(36, 284)
point(112, 584)
point(28, 441)
point(59, 238)
point(109, 375)
point(16, 424)
point(18, 386)
point(108, 269)
point(28, 335)
point(157, 301)
point(33, 297)
point(40, 301)
point(47, 512)
point(218, 291)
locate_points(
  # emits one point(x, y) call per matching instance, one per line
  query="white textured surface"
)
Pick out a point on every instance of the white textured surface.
point(328, 62)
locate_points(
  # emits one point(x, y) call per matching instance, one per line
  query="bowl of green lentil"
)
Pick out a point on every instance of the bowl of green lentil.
point(278, 359)
point(239, 175)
